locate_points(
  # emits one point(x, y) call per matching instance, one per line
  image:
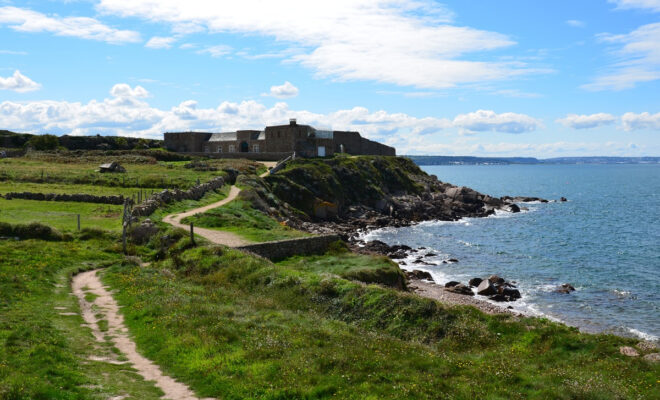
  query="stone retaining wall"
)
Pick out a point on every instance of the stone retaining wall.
point(77, 197)
point(275, 156)
point(281, 249)
point(168, 196)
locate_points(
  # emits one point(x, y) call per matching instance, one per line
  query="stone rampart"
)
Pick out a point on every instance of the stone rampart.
point(281, 249)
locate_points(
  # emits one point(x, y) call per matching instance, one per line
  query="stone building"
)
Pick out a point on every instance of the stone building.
point(304, 140)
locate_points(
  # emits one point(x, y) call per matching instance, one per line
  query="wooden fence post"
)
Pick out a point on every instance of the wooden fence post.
point(192, 234)
point(78, 221)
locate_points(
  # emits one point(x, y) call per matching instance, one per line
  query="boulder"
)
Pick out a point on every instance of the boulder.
point(496, 280)
point(510, 293)
point(628, 351)
point(486, 288)
point(460, 289)
point(653, 357)
point(143, 232)
point(565, 288)
point(474, 282)
point(645, 345)
point(451, 284)
point(563, 199)
point(417, 274)
point(513, 208)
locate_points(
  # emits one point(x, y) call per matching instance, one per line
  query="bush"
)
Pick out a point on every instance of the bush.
point(44, 142)
point(6, 229)
point(36, 230)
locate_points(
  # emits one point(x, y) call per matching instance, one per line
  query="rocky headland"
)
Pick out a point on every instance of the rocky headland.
point(353, 195)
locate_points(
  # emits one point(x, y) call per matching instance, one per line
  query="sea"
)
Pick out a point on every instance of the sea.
point(605, 241)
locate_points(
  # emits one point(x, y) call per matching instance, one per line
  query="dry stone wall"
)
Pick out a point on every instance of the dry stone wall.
point(77, 197)
point(169, 196)
point(282, 249)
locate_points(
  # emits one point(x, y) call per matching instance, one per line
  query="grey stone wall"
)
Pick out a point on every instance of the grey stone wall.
point(76, 197)
point(168, 196)
point(281, 249)
point(248, 156)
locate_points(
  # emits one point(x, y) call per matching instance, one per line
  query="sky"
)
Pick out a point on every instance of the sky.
point(539, 78)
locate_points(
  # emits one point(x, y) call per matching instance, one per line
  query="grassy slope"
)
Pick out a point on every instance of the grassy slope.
point(43, 354)
point(238, 326)
point(240, 218)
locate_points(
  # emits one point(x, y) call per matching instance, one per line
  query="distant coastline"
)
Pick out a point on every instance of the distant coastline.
point(467, 160)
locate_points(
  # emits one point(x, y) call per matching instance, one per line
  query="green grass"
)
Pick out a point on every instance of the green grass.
point(240, 218)
point(44, 354)
point(6, 187)
point(235, 326)
point(145, 175)
point(357, 267)
point(61, 215)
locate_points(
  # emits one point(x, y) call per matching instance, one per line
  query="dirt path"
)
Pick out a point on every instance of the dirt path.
point(104, 304)
point(218, 237)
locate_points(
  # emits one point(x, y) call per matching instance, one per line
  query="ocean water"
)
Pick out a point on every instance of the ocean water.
point(605, 241)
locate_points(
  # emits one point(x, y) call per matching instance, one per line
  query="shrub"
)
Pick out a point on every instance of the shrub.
point(44, 142)
point(6, 229)
point(36, 230)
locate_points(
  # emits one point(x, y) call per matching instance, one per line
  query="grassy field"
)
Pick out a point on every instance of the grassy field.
point(240, 218)
point(145, 175)
point(44, 351)
point(61, 214)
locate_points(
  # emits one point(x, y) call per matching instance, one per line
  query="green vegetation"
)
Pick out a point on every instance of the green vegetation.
point(61, 214)
point(344, 181)
point(6, 187)
point(43, 142)
point(239, 217)
point(232, 325)
point(44, 351)
point(357, 267)
point(236, 326)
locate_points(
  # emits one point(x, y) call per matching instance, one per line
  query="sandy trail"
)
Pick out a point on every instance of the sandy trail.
point(89, 282)
point(214, 236)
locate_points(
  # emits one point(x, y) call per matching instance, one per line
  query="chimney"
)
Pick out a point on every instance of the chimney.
point(292, 121)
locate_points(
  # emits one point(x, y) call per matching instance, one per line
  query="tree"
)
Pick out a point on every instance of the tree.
point(44, 142)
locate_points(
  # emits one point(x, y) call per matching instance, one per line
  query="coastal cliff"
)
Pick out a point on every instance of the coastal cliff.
point(346, 194)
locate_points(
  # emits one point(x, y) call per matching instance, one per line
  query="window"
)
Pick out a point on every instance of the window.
point(255, 148)
point(232, 149)
point(219, 148)
point(206, 149)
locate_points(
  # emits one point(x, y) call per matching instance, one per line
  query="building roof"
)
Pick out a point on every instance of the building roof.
point(223, 137)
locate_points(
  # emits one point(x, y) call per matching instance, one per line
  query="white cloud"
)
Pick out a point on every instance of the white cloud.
point(638, 60)
point(652, 5)
point(215, 51)
point(13, 52)
point(159, 42)
point(486, 120)
point(404, 43)
point(18, 83)
point(122, 90)
point(575, 23)
point(632, 121)
point(284, 91)
point(587, 121)
point(24, 20)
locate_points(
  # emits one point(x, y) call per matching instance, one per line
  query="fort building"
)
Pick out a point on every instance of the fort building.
point(304, 140)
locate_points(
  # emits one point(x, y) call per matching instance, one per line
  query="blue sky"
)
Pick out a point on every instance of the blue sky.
point(486, 78)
